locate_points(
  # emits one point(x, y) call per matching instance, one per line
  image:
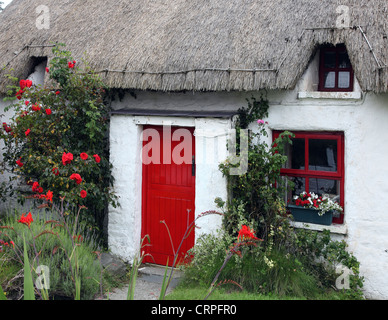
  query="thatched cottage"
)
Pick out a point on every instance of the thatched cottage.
point(192, 64)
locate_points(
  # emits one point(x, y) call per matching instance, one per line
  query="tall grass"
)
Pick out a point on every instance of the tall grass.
point(58, 250)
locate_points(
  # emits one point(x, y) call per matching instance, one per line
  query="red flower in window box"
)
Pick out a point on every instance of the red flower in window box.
point(313, 201)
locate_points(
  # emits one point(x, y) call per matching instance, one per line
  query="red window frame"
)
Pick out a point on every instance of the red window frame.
point(322, 69)
point(306, 173)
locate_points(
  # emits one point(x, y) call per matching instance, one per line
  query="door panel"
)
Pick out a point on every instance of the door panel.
point(169, 196)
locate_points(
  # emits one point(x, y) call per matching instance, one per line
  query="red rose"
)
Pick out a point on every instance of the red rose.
point(67, 158)
point(48, 111)
point(19, 94)
point(58, 92)
point(19, 163)
point(55, 171)
point(22, 84)
point(27, 132)
point(47, 69)
point(83, 194)
point(35, 107)
point(97, 158)
point(35, 186)
point(28, 83)
point(84, 156)
point(26, 102)
point(76, 177)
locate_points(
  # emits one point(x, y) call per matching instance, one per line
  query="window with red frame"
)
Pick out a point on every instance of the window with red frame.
point(335, 70)
point(316, 164)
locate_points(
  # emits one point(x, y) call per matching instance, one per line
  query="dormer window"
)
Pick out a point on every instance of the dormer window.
point(335, 70)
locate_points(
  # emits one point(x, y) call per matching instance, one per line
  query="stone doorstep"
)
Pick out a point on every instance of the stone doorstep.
point(155, 273)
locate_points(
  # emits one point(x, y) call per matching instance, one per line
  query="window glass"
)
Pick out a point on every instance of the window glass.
point(296, 154)
point(323, 155)
point(343, 60)
point(329, 59)
point(343, 79)
point(327, 187)
point(329, 79)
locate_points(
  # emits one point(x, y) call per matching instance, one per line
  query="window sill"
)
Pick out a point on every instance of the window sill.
point(334, 228)
point(354, 95)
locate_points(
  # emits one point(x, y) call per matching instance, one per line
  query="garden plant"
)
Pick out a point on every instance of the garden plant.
point(55, 149)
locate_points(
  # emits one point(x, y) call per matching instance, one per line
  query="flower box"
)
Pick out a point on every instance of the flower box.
point(310, 215)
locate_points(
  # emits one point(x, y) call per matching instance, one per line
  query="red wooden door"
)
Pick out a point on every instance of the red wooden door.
point(168, 191)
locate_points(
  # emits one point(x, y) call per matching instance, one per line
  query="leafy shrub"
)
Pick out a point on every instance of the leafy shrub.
point(57, 138)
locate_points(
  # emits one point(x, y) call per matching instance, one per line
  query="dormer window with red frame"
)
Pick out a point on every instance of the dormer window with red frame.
point(335, 70)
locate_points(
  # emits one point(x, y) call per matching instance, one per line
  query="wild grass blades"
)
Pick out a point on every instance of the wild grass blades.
point(29, 292)
point(190, 227)
point(247, 238)
point(135, 267)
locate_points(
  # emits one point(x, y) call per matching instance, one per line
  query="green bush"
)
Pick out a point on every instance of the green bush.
point(57, 139)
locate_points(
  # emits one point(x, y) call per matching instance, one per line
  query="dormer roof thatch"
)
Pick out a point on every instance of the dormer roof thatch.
point(217, 45)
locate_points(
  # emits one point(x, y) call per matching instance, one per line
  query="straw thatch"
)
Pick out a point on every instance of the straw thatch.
point(174, 45)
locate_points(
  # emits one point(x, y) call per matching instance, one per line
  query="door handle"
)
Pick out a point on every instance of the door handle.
point(193, 166)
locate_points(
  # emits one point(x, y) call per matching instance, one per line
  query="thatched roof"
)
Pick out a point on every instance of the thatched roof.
point(175, 45)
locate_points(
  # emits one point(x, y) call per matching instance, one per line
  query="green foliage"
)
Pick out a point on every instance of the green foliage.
point(257, 195)
point(68, 118)
point(289, 262)
point(58, 250)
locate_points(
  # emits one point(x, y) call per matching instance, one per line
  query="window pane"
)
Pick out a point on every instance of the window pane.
point(323, 155)
point(329, 79)
point(325, 186)
point(299, 187)
point(343, 79)
point(343, 60)
point(296, 154)
point(329, 59)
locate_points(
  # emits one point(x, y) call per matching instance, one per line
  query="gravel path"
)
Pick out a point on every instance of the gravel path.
point(148, 284)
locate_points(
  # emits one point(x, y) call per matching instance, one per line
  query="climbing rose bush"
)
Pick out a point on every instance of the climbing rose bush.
point(55, 144)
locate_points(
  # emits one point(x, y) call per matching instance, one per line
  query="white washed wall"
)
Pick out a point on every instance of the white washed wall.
point(362, 118)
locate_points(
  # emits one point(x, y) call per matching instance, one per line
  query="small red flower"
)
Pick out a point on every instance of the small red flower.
point(22, 84)
point(35, 186)
point(27, 132)
point(76, 177)
point(83, 194)
point(19, 94)
point(26, 219)
point(49, 196)
point(26, 102)
point(55, 171)
point(97, 158)
point(58, 92)
point(35, 107)
point(19, 163)
point(48, 111)
point(246, 233)
point(67, 158)
point(47, 69)
point(84, 156)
